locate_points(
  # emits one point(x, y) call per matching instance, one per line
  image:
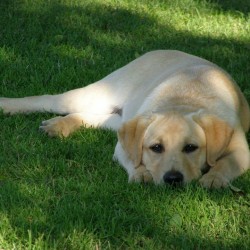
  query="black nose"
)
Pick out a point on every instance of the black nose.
point(173, 177)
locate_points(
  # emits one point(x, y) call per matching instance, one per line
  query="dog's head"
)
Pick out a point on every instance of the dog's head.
point(174, 148)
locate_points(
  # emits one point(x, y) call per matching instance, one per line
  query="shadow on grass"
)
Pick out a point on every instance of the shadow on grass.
point(55, 43)
point(64, 47)
point(239, 6)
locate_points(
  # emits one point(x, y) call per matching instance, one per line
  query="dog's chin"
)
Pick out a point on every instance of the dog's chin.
point(161, 182)
point(181, 184)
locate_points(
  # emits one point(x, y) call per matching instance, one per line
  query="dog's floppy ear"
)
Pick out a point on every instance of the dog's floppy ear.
point(131, 136)
point(218, 136)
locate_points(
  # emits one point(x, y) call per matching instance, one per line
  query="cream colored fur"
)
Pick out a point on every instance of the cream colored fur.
point(168, 98)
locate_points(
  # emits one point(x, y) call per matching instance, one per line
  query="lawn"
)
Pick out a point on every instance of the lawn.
point(67, 193)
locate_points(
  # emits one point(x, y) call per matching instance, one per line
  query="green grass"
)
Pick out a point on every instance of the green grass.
point(68, 194)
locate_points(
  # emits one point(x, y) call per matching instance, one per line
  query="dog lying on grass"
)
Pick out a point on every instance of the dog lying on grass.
point(178, 117)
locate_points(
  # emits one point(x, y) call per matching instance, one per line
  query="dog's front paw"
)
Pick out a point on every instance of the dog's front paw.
point(214, 180)
point(141, 174)
point(56, 126)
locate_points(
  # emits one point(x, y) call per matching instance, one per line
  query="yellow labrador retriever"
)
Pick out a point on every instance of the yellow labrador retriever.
point(178, 117)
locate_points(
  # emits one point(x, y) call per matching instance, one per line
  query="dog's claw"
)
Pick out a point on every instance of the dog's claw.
point(55, 127)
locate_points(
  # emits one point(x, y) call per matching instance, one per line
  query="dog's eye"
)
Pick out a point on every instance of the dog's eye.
point(157, 148)
point(189, 148)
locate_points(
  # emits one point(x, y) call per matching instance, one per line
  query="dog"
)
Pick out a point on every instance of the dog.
point(179, 118)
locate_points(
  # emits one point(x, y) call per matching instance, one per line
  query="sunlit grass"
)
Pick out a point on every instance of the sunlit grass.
point(67, 193)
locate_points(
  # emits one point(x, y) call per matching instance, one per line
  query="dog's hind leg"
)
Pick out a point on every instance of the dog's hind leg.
point(65, 125)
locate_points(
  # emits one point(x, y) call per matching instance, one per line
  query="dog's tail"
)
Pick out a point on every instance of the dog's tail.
point(93, 99)
point(44, 103)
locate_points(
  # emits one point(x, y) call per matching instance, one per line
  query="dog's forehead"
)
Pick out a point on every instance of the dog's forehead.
point(168, 126)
